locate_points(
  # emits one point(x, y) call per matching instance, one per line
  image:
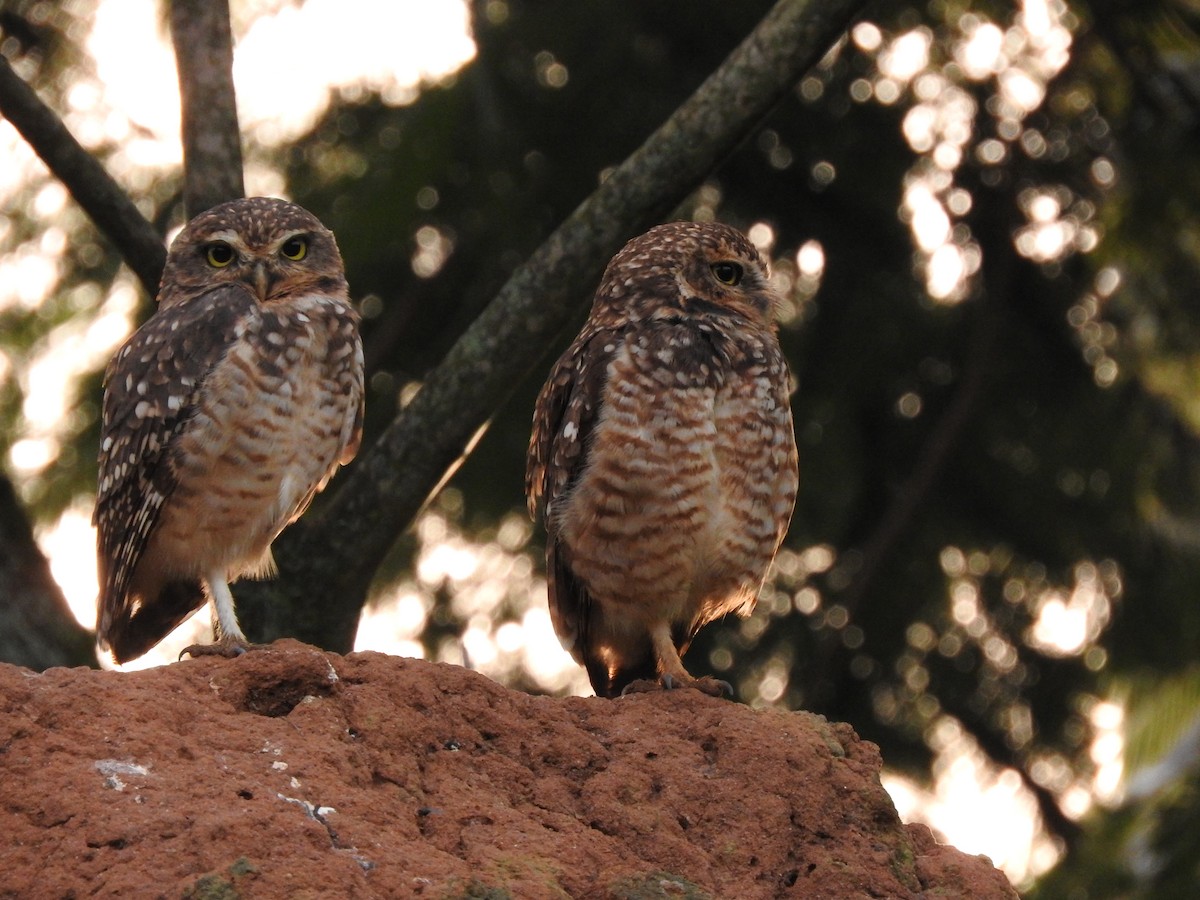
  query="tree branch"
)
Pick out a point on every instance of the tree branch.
point(342, 548)
point(36, 626)
point(212, 148)
point(92, 187)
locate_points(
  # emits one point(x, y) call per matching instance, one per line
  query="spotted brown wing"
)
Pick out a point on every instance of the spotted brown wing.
point(564, 416)
point(151, 387)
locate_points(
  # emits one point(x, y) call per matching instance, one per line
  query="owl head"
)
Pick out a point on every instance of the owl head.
point(276, 248)
point(688, 269)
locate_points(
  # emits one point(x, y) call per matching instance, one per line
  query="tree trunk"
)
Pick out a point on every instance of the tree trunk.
point(36, 626)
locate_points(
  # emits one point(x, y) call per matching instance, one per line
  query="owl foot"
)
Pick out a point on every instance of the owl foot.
point(228, 649)
point(714, 687)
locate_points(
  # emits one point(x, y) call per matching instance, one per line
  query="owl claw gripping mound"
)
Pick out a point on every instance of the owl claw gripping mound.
point(663, 460)
point(223, 416)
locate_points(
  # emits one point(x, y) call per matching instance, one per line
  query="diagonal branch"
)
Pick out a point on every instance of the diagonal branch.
point(212, 148)
point(341, 549)
point(92, 187)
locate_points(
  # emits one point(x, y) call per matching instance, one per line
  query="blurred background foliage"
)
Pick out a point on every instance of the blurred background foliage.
point(986, 221)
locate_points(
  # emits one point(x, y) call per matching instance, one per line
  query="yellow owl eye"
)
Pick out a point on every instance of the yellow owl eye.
point(219, 254)
point(727, 272)
point(295, 248)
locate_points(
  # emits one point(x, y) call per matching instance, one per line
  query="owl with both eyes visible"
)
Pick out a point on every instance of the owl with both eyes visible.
point(223, 416)
point(663, 459)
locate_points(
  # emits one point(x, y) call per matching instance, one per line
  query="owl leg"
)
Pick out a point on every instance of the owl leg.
point(671, 673)
point(229, 641)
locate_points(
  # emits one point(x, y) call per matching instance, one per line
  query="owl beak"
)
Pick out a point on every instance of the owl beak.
point(262, 281)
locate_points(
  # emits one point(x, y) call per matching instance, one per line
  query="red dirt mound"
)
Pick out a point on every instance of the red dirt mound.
point(294, 773)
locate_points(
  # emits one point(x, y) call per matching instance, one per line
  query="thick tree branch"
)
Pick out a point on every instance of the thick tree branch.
point(92, 187)
point(342, 548)
point(36, 626)
point(212, 148)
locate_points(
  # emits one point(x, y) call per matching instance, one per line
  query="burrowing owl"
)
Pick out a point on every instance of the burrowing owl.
point(223, 416)
point(663, 460)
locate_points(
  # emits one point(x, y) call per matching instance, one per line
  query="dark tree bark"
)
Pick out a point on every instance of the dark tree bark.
point(36, 626)
point(212, 148)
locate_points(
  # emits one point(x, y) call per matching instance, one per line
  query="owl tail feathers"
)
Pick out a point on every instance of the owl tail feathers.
point(134, 627)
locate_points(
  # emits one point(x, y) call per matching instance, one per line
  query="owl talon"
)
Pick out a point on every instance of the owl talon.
point(227, 649)
point(642, 686)
point(714, 687)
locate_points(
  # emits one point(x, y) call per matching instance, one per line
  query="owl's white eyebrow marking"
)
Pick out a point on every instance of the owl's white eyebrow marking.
point(228, 235)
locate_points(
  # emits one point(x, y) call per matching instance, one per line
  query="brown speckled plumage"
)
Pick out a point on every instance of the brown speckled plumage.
point(663, 460)
point(224, 414)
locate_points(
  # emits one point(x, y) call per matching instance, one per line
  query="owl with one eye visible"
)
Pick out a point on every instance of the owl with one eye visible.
point(663, 459)
point(224, 414)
